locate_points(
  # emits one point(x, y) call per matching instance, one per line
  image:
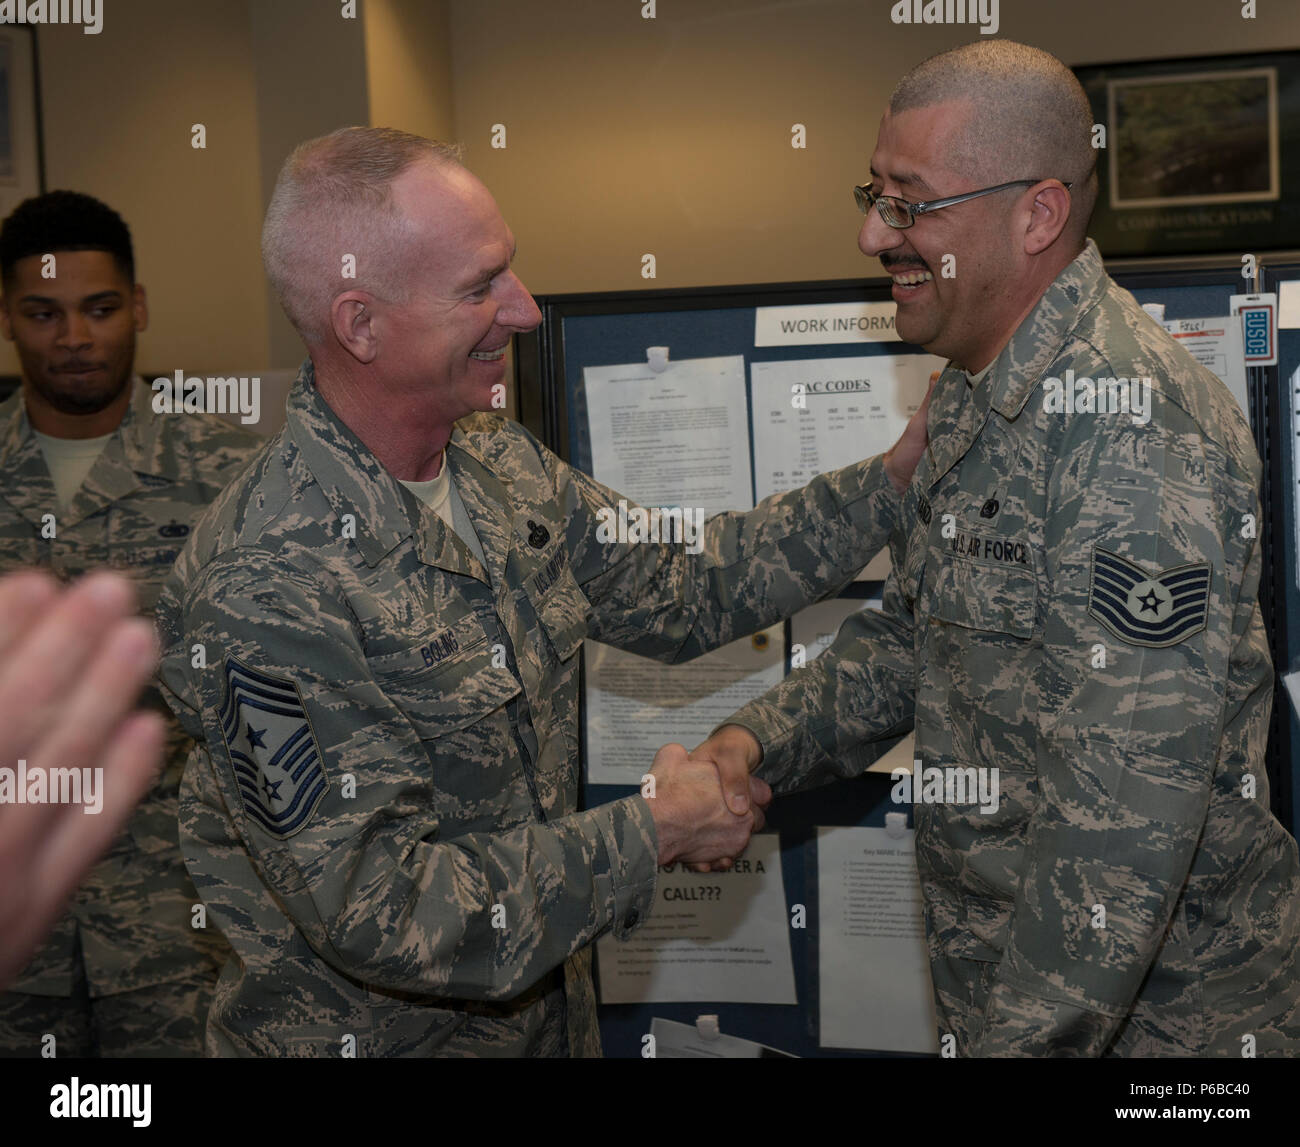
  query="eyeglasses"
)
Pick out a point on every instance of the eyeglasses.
point(900, 214)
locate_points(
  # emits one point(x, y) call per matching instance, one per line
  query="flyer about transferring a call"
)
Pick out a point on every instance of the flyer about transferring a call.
point(721, 937)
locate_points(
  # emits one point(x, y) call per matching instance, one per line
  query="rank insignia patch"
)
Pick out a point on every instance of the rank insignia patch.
point(1145, 610)
point(277, 762)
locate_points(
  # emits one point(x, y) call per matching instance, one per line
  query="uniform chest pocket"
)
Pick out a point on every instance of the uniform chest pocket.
point(561, 607)
point(979, 678)
point(451, 679)
point(984, 596)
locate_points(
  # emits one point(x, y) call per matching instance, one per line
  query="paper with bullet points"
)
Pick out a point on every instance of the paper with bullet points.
point(874, 979)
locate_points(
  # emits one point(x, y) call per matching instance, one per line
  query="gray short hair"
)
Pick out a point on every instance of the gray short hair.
point(334, 198)
point(1032, 118)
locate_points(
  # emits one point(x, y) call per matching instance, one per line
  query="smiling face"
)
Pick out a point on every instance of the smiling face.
point(464, 303)
point(74, 333)
point(969, 316)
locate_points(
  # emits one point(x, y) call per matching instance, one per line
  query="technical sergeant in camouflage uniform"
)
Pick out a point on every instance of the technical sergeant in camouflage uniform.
point(1074, 604)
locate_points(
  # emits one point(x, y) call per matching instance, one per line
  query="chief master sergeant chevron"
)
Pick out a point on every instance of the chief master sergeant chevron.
point(375, 638)
point(1075, 604)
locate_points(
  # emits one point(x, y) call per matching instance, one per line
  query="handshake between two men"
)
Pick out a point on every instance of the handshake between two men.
point(706, 805)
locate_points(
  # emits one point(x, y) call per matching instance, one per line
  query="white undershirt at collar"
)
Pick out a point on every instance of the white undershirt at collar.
point(69, 460)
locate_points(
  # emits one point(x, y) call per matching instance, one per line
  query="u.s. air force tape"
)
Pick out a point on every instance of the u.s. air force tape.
point(276, 759)
point(1142, 609)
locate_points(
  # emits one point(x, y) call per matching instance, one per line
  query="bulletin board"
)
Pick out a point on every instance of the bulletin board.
point(591, 330)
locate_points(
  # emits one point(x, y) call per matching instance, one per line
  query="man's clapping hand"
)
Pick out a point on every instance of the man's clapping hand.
point(72, 663)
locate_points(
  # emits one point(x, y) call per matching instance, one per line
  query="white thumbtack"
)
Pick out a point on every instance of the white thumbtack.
point(708, 1027)
point(657, 357)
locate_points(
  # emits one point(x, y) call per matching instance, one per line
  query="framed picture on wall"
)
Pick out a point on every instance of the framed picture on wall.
point(21, 159)
point(1199, 155)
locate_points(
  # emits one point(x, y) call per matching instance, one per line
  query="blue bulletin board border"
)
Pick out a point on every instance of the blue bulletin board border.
point(1281, 385)
point(599, 329)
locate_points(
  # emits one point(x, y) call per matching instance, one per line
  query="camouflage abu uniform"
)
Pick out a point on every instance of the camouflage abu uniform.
point(388, 764)
point(131, 915)
point(1029, 539)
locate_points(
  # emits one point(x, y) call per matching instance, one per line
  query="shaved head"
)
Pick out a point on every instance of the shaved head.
point(1030, 118)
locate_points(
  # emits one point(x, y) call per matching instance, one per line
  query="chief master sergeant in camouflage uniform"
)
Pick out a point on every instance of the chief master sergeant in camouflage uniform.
point(1074, 604)
point(91, 476)
point(377, 641)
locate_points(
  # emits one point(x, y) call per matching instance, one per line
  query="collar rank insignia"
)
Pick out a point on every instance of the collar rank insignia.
point(1145, 610)
point(275, 756)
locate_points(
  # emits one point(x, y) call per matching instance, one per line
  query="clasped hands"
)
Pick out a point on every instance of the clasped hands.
point(705, 804)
